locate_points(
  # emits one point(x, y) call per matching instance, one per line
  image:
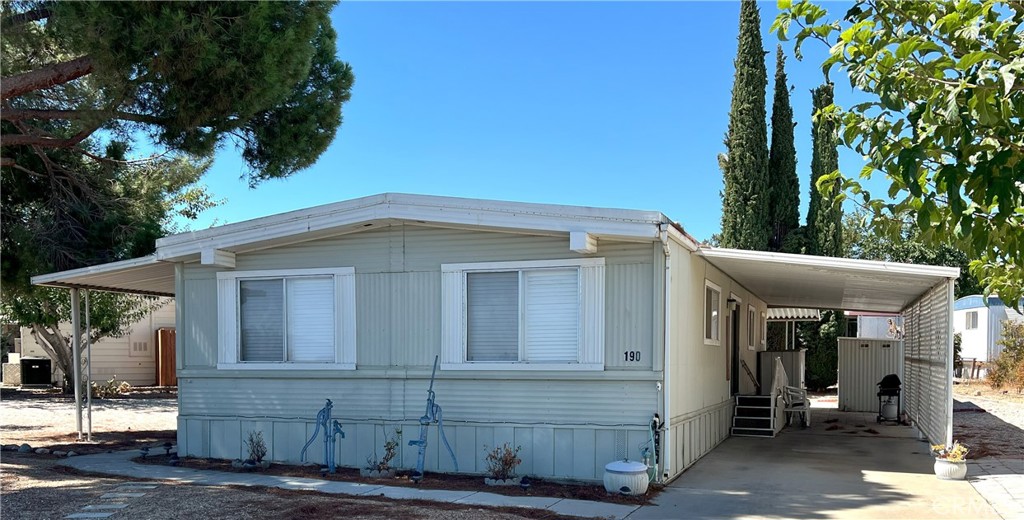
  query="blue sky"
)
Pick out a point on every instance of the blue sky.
point(584, 103)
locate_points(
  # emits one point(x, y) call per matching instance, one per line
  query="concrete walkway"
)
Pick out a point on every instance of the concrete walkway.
point(119, 463)
point(837, 469)
point(1001, 482)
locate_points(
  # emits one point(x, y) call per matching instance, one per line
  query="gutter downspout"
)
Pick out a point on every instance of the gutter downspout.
point(666, 418)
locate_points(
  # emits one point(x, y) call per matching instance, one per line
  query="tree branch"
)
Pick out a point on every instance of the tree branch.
point(15, 20)
point(48, 142)
point(48, 76)
point(20, 114)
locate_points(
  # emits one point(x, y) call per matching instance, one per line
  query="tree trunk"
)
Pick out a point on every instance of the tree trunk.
point(45, 77)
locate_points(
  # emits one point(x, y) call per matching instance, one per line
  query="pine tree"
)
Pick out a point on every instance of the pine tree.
point(824, 218)
point(745, 166)
point(783, 183)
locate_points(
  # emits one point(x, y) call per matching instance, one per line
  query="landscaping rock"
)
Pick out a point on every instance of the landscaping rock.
point(9, 447)
point(59, 453)
point(24, 448)
point(72, 454)
point(237, 464)
point(42, 451)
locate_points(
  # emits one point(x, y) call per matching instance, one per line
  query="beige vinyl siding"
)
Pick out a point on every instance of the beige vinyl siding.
point(700, 400)
point(114, 358)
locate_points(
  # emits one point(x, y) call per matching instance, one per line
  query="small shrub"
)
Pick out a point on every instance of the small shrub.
point(502, 461)
point(390, 451)
point(110, 389)
point(257, 447)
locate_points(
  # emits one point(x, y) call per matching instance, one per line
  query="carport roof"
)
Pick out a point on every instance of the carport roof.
point(787, 280)
point(143, 275)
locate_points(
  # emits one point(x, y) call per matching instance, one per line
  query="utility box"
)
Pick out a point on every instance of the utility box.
point(35, 371)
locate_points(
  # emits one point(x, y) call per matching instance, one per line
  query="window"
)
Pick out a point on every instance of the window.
point(972, 320)
point(751, 326)
point(299, 318)
point(539, 315)
point(712, 313)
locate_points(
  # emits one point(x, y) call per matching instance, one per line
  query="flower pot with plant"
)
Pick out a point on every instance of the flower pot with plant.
point(501, 465)
point(381, 467)
point(950, 462)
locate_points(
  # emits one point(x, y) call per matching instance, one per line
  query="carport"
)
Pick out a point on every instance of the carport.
point(144, 276)
point(923, 295)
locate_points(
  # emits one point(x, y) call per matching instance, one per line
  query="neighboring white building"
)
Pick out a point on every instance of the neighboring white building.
point(130, 358)
point(561, 329)
point(981, 326)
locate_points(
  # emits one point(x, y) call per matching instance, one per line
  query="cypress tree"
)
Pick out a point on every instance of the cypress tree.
point(783, 183)
point(824, 217)
point(745, 166)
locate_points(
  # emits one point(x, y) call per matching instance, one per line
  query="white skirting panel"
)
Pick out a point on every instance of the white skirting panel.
point(548, 451)
point(697, 433)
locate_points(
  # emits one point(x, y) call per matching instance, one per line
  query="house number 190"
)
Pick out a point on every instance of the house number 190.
point(631, 355)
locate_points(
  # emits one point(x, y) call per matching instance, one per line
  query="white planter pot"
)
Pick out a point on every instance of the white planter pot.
point(503, 481)
point(626, 477)
point(948, 470)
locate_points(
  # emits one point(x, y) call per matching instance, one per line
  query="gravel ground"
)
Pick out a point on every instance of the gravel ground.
point(35, 488)
point(989, 421)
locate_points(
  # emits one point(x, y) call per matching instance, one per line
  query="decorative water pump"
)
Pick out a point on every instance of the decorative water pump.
point(432, 415)
point(331, 432)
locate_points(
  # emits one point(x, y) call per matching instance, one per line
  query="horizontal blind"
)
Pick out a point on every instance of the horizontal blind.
point(261, 316)
point(552, 307)
point(492, 316)
point(311, 319)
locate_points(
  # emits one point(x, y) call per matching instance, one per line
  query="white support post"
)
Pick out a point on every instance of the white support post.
point(76, 357)
point(88, 365)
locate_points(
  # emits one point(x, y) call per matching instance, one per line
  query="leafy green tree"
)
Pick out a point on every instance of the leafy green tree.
point(944, 122)
point(745, 164)
point(783, 183)
point(105, 212)
point(825, 212)
point(187, 75)
point(909, 247)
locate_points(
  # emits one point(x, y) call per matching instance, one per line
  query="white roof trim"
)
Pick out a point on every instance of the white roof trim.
point(143, 275)
point(788, 280)
point(833, 262)
point(350, 215)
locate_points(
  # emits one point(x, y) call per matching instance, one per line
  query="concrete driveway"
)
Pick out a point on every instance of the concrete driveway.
point(836, 469)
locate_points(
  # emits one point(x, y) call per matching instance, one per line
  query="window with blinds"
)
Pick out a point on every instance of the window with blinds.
point(287, 319)
point(527, 315)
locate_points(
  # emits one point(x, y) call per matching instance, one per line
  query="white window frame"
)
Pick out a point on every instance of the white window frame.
point(344, 329)
point(971, 320)
point(711, 336)
point(752, 328)
point(590, 353)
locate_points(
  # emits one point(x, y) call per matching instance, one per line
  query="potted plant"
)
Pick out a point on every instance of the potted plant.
point(950, 462)
point(381, 468)
point(501, 465)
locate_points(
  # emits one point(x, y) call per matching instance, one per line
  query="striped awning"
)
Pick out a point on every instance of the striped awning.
point(793, 314)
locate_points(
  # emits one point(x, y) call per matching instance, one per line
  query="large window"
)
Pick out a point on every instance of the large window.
point(524, 315)
point(712, 313)
point(972, 320)
point(302, 318)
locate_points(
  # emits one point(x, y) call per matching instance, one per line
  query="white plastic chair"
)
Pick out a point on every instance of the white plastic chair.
point(796, 402)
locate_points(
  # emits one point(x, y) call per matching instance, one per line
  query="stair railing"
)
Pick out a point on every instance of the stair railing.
point(746, 368)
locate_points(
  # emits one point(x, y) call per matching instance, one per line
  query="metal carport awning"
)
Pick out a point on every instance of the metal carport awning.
point(922, 294)
point(145, 276)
